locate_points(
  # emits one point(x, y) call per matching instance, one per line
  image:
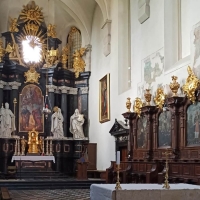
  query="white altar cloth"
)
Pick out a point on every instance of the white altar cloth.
point(33, 158)
point(144, 192)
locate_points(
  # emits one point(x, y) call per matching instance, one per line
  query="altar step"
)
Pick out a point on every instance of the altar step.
point(41, 184)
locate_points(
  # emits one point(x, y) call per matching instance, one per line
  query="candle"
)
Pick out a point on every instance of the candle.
point(118, 158)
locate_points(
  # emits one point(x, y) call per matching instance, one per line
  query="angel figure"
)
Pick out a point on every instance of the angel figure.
point(13, 25)
point(51, 32)
point(79, 63)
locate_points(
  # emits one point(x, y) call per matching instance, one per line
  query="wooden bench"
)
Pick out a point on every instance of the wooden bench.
point(5, 194)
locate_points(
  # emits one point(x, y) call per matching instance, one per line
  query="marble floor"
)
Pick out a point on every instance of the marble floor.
point(58, 194)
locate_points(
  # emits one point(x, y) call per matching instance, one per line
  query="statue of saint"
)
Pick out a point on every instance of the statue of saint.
point(76, 125)
point(7, 121)
point(57, 123)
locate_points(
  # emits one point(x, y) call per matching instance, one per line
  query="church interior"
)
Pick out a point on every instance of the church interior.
point(99, 99)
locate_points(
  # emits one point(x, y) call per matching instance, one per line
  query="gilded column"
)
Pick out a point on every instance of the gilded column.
point(64, 91)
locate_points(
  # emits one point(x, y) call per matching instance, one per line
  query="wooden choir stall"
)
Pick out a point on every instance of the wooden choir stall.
point(172, 125)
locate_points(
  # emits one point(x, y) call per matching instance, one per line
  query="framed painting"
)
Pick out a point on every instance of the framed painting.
point(142, 132)
point(30, 109)
point(193, 125)
point(164, 129)
point(104, 99)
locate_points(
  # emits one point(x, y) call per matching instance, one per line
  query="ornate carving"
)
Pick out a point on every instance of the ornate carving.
point(51, 88)
point(174, 86)
point(128, 104)
point(51, 31)
point(160, 98)
point(2, 84)
point(64, 56)
point(15, 85)
point(31, 76)
point(137, 106)
point(84, 90)
point(64, 89)
point(79, 63)
point(73, 90)
point(13, 25)
point(147, 96)
point(31, 12)
point(191, 85)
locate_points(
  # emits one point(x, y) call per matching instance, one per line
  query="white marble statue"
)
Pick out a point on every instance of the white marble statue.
point(57, 123)
point(7, 119)
point(76, 125)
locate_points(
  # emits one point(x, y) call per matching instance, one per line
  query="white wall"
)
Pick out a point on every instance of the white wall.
point(146, 39)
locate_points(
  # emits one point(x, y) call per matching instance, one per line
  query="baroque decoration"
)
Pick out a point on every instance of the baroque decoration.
point(31, 76)
point(160, 98)
point(138, 106)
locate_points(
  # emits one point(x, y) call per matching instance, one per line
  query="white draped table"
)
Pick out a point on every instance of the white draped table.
point(33, 158)
point(144, 192)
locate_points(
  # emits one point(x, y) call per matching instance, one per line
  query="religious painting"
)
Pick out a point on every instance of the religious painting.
point(164, 129)
point(104, 99)
point(195, 49)
point(142, 132)
point(30, 109)
point(193, 124)
point(153, 67)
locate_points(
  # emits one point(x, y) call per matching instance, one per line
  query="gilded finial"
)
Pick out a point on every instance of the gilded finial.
point(128, 104)
point(160, 98)
point(147, 96)
point(174, 86)
point(138, 106)
point(192, 82)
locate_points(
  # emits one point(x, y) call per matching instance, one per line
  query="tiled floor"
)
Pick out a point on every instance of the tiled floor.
point(64, 194)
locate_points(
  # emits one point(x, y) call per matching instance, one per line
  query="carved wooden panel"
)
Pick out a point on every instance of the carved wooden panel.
point(197, 170)
point(174, 168)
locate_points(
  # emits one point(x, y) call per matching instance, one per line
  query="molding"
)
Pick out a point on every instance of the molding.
point(73, 91)
point(64, 89)
point(84, 90)
point(51, 88)
point(143, 10)
point(14, 85)
point(2, 84)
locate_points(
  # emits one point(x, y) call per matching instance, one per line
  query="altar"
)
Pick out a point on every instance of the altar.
point(33, 162)
point(144, 192)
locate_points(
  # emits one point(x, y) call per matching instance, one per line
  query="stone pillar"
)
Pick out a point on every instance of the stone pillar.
point(14, 94)
point(64, 91)
point(84, 108)
point(88, 57)
point(51, 89)
point(2, 83)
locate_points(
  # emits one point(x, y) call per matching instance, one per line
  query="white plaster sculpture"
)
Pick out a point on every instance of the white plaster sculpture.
point(7, 119)
point(57, 123)
point(76, 125)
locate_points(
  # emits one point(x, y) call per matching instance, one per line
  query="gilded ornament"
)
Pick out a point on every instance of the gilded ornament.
point(138, 106)
point(51, 31)
point(79, 63)
point(31, 76)
point(13, 25)
point(64, 56)
point(191, 85)
point(147, 96)
point(32, 13)
point(174, 86)
point(128, 104)
point(51, 57)
point(33, 141)
point(160, 98)
point(2, 50)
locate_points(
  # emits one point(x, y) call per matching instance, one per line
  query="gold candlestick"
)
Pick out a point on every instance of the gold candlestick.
point(147, 96)
point(118, 186)
point(128, 104)
point(166, 183)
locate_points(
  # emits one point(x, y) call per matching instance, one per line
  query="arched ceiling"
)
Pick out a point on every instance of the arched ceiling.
point(62, 13)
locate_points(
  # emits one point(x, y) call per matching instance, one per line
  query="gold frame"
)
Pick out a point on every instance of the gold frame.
point(104, 117)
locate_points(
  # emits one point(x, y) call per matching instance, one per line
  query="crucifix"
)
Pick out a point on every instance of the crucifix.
point(166, 183)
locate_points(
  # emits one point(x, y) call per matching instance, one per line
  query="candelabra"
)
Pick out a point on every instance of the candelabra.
point(166, 183)
point(118, 186)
